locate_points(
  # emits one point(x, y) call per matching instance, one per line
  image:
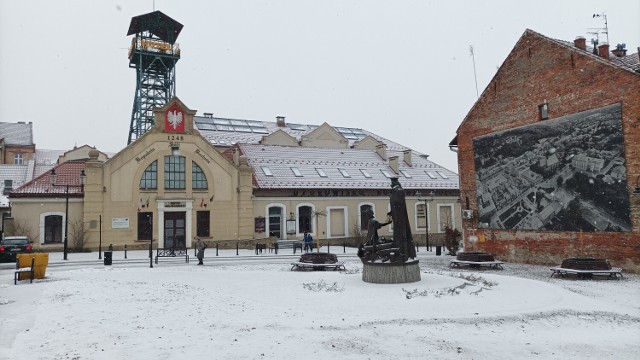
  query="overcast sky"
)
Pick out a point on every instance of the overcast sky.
point(401, 69)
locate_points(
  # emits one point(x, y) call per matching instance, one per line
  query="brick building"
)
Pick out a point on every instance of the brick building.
point(567, 105)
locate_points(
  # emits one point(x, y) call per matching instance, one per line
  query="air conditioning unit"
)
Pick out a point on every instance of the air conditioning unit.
point(467, 214)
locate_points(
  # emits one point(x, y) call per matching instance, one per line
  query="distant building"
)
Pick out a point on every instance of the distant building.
point(237, 180)
point(543, 85)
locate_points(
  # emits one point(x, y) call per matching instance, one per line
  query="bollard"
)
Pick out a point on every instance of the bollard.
point(237, 244)
point(125, 251)
point(216, 249)
point(344, 247)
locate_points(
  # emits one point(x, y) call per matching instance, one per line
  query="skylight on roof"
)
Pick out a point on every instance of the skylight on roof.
point(222, 121)
point(296, 172)
point(259, 130)
point(386, 173)
point(297, 127)
point(406, 174)
point(444, 176)
point(365, 173)
point(344, 173)
point(267, 171)
point(431, 175)
point(224, 127)
point(321, 172)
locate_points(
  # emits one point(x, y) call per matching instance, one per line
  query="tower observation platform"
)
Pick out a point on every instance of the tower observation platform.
point(154, 54)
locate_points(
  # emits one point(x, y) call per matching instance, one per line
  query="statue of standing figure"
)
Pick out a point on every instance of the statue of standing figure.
point(401, 229)
point(402, 247)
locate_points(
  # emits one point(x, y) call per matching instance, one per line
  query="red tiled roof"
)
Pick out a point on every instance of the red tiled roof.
point(68, 174)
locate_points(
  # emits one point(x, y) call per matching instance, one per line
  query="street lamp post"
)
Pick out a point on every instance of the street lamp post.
point(426, 214)
point(54, 178)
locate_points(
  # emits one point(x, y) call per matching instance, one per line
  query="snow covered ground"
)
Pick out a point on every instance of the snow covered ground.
point(254, 307)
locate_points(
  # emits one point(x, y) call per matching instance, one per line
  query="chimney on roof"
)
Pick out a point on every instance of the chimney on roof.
point(603, 51)
point(407, 156)
point(236, 156)
point(381, 149)
point(393, 163)
point(580, 42)
point(620, 50)
point(208, 115)
point(280, 121)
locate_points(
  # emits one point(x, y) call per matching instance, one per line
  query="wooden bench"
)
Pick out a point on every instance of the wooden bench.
point(172, 252)
point(492, 264)
point(614, 272)
point(288, 244)
point(318, 261)
point(23, 270)
point(475, 259)
point(586, 267)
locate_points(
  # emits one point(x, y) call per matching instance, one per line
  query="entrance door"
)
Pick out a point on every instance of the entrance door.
point(174, 230)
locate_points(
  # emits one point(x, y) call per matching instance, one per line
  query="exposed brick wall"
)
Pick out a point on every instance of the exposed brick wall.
point(570, 80)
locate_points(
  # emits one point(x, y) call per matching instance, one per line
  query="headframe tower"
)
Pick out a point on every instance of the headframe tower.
point(154, 54)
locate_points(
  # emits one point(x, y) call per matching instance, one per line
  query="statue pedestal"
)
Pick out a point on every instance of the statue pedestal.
point(388, 273)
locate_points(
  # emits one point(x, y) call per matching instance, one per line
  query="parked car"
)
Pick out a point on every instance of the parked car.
point(13, 245)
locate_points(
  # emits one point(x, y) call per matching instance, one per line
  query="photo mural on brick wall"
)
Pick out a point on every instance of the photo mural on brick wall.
point(565, 174)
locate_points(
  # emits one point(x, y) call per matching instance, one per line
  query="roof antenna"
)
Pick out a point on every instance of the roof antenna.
point(605, 29)
point(475, 77)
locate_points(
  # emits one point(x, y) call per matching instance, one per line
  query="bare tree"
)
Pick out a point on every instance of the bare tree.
point(77, 235)
point(21, 227)
point(357, 234)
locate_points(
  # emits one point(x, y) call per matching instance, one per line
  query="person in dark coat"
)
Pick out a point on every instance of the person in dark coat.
point(200, 245)
point(308, 241)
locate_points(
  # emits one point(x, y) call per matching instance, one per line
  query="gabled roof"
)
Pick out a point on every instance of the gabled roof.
point(17, 133)
point(226, 132)
point(325, 168)
point(629, 63)
point(68, 174)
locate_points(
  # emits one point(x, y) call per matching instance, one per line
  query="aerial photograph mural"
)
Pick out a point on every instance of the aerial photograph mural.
point(565, 174)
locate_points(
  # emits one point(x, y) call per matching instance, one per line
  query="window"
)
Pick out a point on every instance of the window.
point(174, 172)
point(267, 171)
point(17, 159)
point(145, 225)
point(364, 219)
point(344, 173)
point(406, 174)
point(365, 173)
point(202, 223)
point(543, 111)
point(304, 219)
point(8, 186)
point(296, 172)
point(386, 173)
point(198, 178)
point(421, 215)
point(442, 174)
point(431, 175)
point(149, 178)
point(321, 172)
point(445, 217)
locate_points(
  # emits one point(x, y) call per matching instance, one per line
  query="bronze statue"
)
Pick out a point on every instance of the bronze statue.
point(402, 247)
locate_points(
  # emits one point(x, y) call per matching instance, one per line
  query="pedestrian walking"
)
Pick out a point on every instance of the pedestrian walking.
point(200, 245)
point(308, 241)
